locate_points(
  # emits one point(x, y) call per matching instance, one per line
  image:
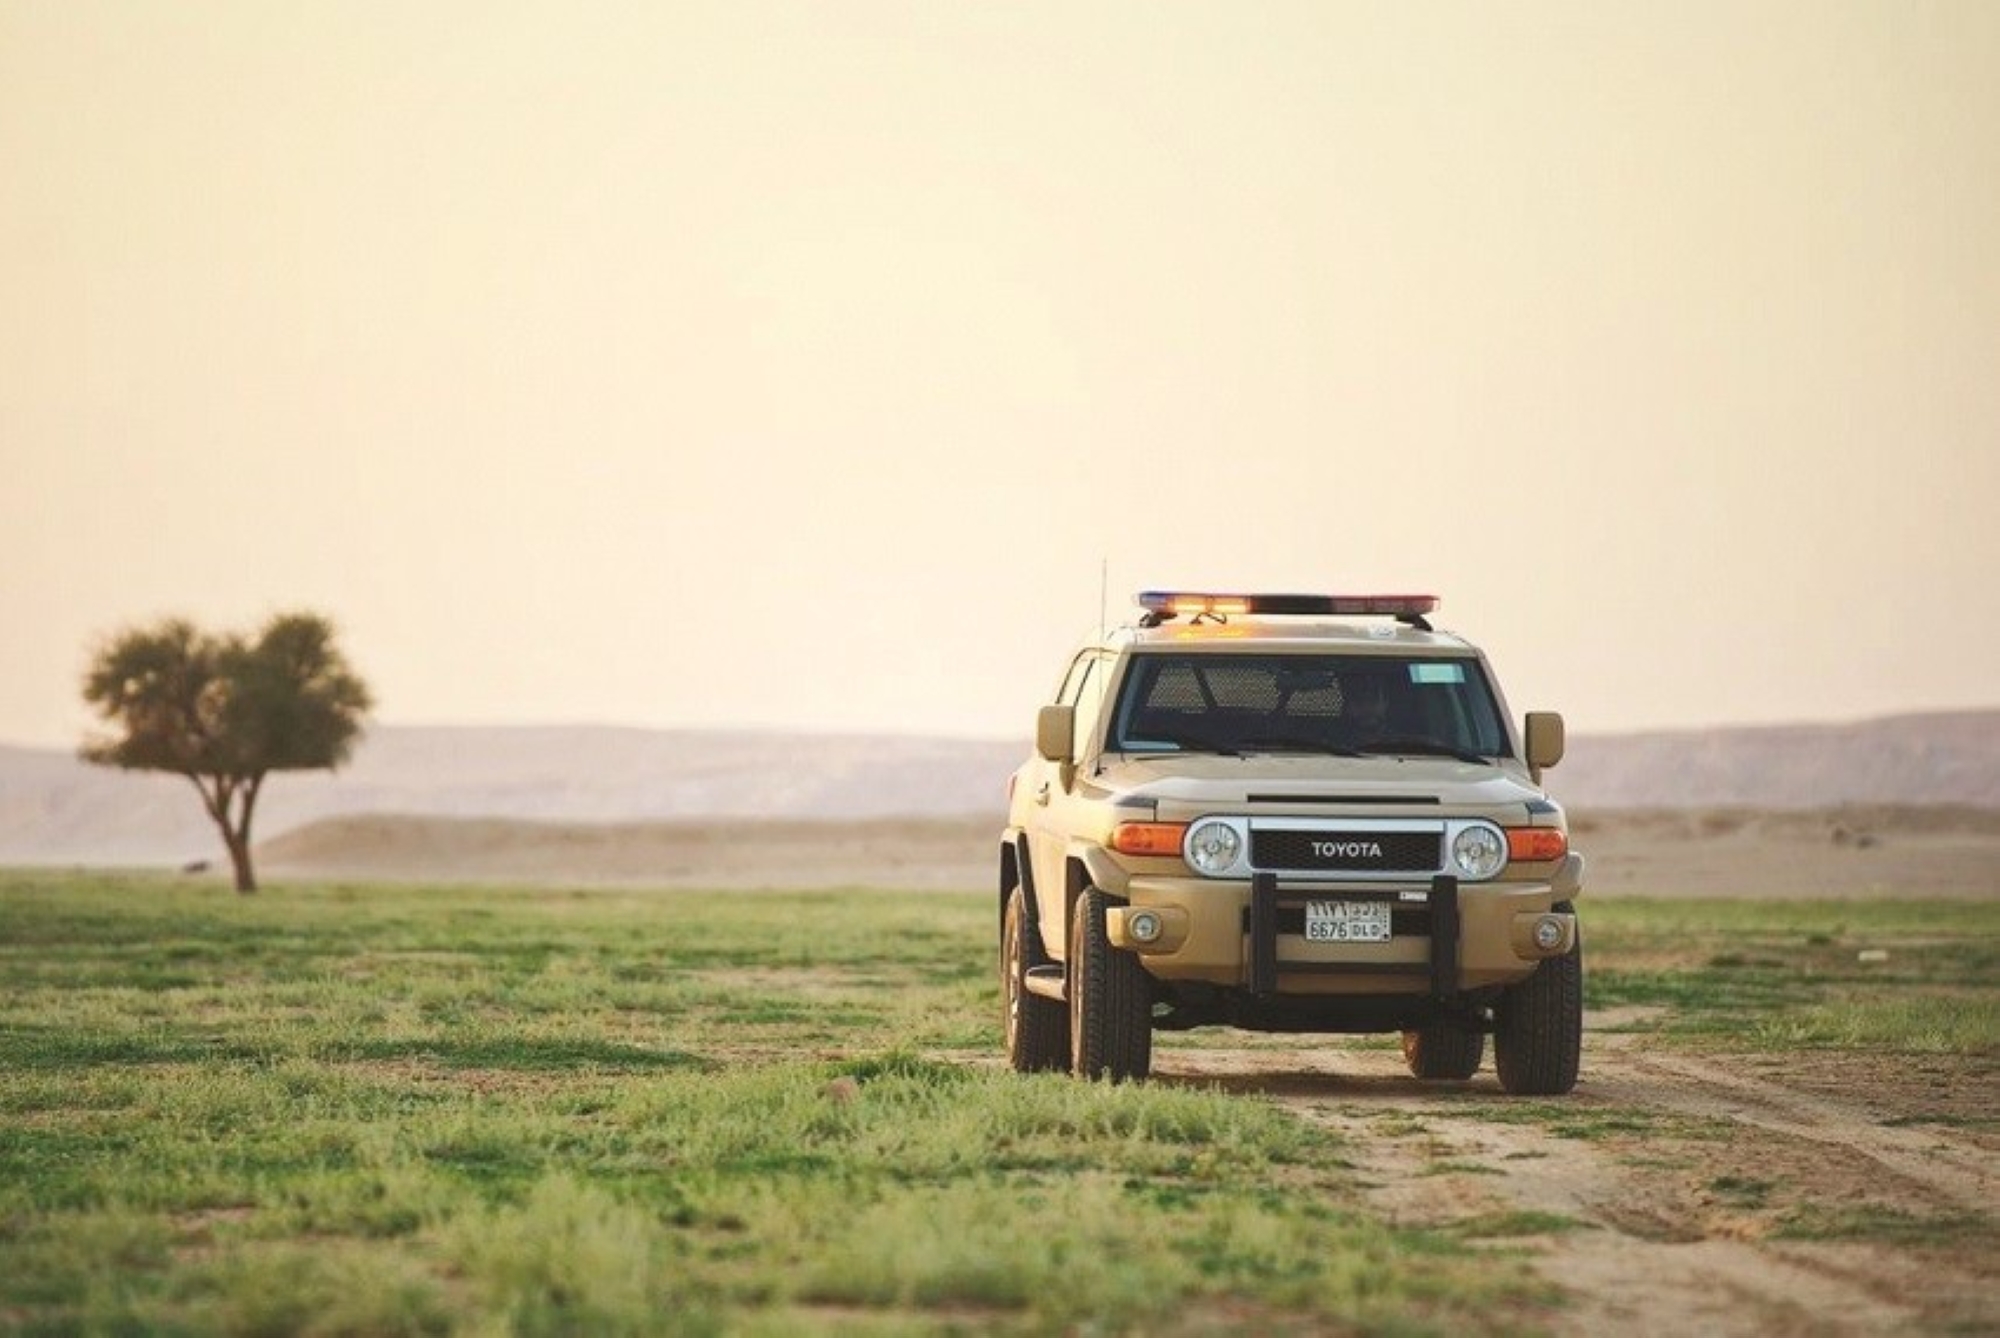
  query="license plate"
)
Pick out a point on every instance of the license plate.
point(1347, 922)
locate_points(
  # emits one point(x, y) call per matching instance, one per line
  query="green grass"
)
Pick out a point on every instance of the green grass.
point(375, 1110)
point(1884, 1226)
point(1517, 1222)
point(1739, 1191)
point(1789, 974)
point(382, 1111)
point(1588, 1123)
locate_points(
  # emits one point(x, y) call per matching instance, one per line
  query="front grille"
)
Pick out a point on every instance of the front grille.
point(1347, 851)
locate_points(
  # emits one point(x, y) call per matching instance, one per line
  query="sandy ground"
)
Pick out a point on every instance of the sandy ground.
point(1666, 1194)
point(728, 853)
point(1854, 851)
point(1845, 852)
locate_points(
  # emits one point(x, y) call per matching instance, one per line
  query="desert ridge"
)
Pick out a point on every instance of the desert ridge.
point(921, 852)
point(55, 809)
point(1852, 852)
point(618, 804)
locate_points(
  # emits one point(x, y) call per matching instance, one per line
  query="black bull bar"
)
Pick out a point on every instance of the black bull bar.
point(1441, 901)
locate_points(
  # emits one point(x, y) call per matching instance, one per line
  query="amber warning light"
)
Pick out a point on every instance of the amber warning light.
point(1536, 843)
point(1182, 603)
point(1148, 838)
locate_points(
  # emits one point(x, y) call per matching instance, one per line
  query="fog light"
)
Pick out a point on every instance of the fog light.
point(1143, 926)
point(1548, 933)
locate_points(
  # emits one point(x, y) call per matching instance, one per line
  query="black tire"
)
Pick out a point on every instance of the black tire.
point(1448, 1051)
point(1110, 1000)
point(1037, 1028)
point(1538, 1026)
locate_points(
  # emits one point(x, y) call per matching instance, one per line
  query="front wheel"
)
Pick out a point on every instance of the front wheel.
point(1110, 1000)
point(1538, 1026)
point(1037, 1030)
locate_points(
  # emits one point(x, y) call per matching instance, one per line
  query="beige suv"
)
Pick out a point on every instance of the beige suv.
point(1290, 813)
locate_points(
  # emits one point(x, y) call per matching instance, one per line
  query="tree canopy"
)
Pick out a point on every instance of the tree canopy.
point(225, 711)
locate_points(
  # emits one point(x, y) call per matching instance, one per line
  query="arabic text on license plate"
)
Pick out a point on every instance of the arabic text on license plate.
point(1347, 922)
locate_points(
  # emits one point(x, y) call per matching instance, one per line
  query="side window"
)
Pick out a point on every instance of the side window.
point(1072, 683)
point(1089, 705)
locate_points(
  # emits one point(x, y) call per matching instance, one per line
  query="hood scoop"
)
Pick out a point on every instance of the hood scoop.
point(1343, 799)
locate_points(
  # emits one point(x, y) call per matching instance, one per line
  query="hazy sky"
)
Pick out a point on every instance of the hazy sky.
point(800, 364)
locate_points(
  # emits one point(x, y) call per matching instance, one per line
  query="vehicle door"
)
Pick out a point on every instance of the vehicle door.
point(1051, 785)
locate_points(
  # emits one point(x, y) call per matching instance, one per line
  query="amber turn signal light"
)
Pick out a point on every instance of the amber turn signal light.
point(1148, 838)
point(1536, 844)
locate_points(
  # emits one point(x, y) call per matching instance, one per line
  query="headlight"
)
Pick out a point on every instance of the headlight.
point(1478, 852)
point(1213, 847)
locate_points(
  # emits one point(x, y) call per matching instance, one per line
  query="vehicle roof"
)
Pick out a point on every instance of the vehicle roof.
point(1250, 632)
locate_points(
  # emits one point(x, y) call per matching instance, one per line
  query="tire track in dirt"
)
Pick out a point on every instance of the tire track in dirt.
point(1935, 1159)
point(1656, 1199)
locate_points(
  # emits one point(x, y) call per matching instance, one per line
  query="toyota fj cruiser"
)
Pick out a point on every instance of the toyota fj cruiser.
point(1290, 813)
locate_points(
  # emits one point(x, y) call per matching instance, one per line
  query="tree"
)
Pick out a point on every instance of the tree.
point(226, 712)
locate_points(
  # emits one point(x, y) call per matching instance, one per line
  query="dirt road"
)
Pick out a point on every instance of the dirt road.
point(1673, 1193)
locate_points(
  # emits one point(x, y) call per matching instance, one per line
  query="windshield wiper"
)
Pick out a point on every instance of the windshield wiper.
point(1190, 742)
point(1423, 748)
point(1279, 743)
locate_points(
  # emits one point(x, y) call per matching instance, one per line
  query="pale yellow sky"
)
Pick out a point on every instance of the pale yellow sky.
point(799, 364)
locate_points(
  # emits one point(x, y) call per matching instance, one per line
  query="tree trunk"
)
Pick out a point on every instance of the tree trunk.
point(219, 796)
point(239, 843)
point(239, 859)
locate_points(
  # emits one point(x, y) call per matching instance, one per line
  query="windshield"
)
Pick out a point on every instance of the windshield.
point(1353, 705)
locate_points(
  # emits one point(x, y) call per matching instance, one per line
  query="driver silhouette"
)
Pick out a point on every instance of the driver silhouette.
point(1365, 706)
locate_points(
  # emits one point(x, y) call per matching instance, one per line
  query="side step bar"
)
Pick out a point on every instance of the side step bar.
point(1046, 981)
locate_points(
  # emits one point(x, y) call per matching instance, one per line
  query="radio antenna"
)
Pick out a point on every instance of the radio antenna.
point(1103, 593)
point(1103, 618)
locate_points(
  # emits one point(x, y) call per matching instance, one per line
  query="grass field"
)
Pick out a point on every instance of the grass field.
point(374, 1110)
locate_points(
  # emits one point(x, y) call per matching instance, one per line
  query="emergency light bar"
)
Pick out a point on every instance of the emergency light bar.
point(1165, 604)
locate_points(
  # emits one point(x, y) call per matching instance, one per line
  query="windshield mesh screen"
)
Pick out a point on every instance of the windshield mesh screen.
point(1329, 703)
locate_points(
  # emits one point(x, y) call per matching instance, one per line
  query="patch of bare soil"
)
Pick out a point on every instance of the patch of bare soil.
point(1854, 850)
point(721, 852)
point(1851, 851)
point(1675, 1193)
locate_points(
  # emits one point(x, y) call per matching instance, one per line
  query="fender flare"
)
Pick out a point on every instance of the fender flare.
point(1016, 870)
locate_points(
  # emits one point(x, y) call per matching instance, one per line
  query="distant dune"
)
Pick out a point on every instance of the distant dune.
point(716, 852)
point(1939, 758)
point(1858, 851)
point(56, 810)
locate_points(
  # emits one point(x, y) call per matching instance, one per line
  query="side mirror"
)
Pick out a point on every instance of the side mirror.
point(1545, 740)
point(1054, 728)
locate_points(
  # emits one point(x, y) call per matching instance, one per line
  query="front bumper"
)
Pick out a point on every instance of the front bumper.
point(1447, 937)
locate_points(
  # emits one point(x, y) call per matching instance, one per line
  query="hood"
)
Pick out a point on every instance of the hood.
point(1186, 785)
